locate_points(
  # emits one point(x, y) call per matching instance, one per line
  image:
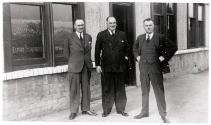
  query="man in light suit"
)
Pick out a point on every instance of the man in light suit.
point(153, 51)
point(79, 66)
point(111, 53)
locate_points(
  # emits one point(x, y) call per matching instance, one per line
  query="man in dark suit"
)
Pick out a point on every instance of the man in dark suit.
point(79, 65)
point(153, 51)
point(111, 52)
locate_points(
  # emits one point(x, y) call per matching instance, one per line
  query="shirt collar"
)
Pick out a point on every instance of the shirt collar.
point(111, 32)
point(78, 34)
point(150, 35)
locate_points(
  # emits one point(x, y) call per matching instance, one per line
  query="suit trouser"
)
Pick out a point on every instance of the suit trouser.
point(79, 81)
point(157, 84)
point(113, 90)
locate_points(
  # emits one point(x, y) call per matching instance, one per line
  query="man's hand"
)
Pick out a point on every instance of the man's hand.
point(161, 58)
point(138, 58)
point(98, 68)
point(126, 57)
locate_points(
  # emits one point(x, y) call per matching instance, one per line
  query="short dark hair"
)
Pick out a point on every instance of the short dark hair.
point(110, 17)
point(148, 19)
point(77, 20)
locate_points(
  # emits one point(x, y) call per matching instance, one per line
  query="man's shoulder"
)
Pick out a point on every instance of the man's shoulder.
point(87, 35)
point(159, 35)
point(141, 36)
point(103, 32)
point(120, 31)
point(72, 35)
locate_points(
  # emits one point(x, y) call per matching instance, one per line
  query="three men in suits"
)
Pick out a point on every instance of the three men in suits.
point(111, 52)
point(152, 51)
point(79, 65)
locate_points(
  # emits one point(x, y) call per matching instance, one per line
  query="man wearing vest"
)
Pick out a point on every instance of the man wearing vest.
point(153, 51)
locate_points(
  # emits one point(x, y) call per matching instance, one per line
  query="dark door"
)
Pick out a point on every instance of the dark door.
point(124, 14)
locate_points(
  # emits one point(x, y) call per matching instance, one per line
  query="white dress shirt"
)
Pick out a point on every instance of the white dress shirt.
point(78, 34)
point(150, 35)
point(111, 32)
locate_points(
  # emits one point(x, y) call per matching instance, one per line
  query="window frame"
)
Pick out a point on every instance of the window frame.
point(19, 64)
point(76, 13)
point(47, 32)
point(197, 42)
point(164, 15)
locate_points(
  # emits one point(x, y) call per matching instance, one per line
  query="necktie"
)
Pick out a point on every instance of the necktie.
point(148, 38)
point(81, 36)
point(112, 32)
point(81, 40)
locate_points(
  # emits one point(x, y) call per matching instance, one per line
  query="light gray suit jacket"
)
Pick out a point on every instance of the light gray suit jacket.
point(79, 54)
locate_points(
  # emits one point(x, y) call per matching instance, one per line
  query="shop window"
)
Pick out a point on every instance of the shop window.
point(27, 38)
point(164, 16)
point(24, 42)
point(35, 34)
point(196, 25)
point(63, 26)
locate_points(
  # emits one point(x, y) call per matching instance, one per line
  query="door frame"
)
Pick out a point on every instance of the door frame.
point(132, 4)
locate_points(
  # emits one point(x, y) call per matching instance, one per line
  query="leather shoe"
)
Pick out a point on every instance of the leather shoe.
point(165, 120)
point(105, 114)
point(72, 116)
point(123, 113)
point(89, 113)
point(140, 116)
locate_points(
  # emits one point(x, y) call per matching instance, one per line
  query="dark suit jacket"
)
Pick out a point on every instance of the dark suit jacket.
point(79, 55)
point(164, 47)
point(110, 51)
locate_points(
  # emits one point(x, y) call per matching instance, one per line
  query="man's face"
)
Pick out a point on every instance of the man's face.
point(79, 26)
point(111, 23)
point(149, 26)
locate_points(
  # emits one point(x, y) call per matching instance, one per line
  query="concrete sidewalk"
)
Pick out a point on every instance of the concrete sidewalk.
point(186, 99)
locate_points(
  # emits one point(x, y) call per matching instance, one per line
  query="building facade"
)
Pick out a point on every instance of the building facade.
point(35, 54)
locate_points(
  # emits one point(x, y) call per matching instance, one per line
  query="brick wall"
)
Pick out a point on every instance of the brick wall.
point(34, 96)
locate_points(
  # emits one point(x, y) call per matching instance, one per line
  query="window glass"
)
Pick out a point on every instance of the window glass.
point(200, 13)
point(26, 24)
point(196, 31)
point(158, 24)
point(63, 26)
point(165, 22)
point(190, 10)
point(170, 8)
point(201, 25)
point(157, 8)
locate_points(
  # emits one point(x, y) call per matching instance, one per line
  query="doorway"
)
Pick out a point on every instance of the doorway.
point(124, 14)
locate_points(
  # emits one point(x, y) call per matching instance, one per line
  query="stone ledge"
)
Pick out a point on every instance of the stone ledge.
point(35, 72)
point(180, 52)
point(64, 68)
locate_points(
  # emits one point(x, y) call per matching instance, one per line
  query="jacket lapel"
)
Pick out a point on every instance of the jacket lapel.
point(112, 41)
point(143, 39)
point(77, 40)
point(116, 39)
point(155, 40)
point(87, 43)
point(108, 38)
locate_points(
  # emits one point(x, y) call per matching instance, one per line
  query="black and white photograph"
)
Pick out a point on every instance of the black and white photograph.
point(105, 61)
